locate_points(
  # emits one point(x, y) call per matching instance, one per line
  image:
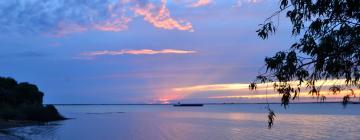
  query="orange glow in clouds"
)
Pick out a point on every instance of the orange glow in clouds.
point(119, 18)
point(114, 25)
point(213, 87)
point(166, 97)
point(242, 90)
point(200, 3)
point(162, 18)
point(137, 52)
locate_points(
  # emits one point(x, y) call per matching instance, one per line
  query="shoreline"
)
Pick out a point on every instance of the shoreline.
point(14, 123)
point(213, 103)
point(7, 124)
point(4, 125)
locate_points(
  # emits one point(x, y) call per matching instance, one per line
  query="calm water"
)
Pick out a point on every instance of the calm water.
point(211, 122)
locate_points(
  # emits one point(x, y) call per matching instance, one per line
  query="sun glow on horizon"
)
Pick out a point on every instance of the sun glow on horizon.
point(264, 90)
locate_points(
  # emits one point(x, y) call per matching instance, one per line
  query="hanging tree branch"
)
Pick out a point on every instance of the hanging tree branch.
point(328, 48)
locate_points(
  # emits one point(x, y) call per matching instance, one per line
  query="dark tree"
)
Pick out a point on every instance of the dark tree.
point(24, 101)
point(328, 48)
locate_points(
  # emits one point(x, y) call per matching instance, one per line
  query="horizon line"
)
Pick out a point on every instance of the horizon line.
point(332, 102)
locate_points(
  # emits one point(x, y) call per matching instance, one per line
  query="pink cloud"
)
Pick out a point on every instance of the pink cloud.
point(160, 17)
point(64, 28)
point(239, 3)
point(118, 16)
point(265, 90)
point(58, 19)
point(114, 25)
point(117, 21)
point(201, 3)
point(138, 52)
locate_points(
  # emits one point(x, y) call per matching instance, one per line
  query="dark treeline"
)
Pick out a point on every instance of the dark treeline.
point(24, 101)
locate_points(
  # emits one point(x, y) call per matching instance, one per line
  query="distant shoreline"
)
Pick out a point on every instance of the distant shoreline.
point(217, 103)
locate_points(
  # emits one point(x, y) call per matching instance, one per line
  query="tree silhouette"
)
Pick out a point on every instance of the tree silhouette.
point(24, 101)
point(328, 48)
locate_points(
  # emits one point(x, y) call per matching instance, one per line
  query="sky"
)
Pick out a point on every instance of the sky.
point(138, 51)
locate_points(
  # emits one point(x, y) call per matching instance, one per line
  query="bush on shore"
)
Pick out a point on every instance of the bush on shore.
point(24, 101)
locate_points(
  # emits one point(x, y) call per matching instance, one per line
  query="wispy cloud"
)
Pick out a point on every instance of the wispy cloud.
point(273, 94)
point(201, 3)
point(61, 17)
point(241, 90)
point(212, 87)
point(160, 17)
point(137, 52)
point(240, 3)
point(242, 86)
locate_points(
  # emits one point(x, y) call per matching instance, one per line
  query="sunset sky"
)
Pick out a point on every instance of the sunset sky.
point(138, 51)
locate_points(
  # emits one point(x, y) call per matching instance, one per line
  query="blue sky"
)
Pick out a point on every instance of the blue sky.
point(136, 51)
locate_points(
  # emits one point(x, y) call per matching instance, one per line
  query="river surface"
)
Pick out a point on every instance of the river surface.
point(211, 122)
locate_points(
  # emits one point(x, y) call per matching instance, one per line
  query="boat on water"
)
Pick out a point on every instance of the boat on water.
point(188, 105)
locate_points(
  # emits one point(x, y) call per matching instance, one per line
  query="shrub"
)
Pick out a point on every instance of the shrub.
point(24, 101)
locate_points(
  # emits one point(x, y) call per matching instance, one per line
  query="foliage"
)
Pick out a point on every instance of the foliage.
point(271, 118)
point(24, 101)
point(328, 48)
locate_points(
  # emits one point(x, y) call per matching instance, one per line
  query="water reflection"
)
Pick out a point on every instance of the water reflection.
point(43, 131)
point(192, 124)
